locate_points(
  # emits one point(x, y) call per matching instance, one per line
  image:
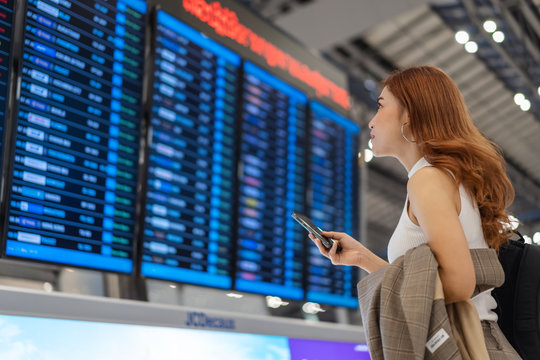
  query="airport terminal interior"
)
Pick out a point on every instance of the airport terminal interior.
point(152, 152)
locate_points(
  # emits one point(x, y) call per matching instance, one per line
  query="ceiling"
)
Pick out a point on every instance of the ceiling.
point(368, 39)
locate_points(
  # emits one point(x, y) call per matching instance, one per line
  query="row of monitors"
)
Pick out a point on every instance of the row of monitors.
point(229, 152)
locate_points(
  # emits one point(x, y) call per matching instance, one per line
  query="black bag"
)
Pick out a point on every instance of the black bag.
point(518, 298)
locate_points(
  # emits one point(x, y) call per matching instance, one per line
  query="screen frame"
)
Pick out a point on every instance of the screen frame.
point(9, 153)
point(309, 189)
point(287, 83)
point(18, 23)
point(151, 61)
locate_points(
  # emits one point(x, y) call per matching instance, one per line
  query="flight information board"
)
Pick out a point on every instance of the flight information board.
point(188, 234)
point(332, 199)
point(272, 185)
point(6, 31)
point(76, 145)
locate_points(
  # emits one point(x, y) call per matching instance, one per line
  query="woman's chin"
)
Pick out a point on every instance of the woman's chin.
point(378, 153)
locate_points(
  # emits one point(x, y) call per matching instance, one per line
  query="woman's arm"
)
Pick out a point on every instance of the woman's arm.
point(352, 252)
point(435, 206)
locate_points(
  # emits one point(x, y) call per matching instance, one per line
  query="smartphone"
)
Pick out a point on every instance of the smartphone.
point(314, 229)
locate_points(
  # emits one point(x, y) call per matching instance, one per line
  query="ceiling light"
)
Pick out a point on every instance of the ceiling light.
point(498, 36)
point(274, 302)
point(518, 98)
point(471, 47)
point(312, 308)
point(462, 37)
point(536, 237)
point(539, 90)
point(525, 105)
point(368, 155)
point(528, 239)
point(235, 295)
point(370, 145)
point(514, 222)
point(490, 26)
point(47, 286)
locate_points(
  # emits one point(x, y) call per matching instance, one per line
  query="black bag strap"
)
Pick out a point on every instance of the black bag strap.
point(521, 238)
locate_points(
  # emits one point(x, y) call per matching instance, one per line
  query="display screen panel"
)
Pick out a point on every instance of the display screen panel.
point(272, 185)
point(188, 234)
point(76, 143)
point(332, 200)
point(6, 33)
point(25, 337)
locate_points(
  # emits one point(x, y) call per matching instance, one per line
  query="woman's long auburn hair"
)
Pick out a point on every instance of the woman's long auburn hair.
point(441, 126)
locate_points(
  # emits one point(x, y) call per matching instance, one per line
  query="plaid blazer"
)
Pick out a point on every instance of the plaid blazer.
point(401, 318)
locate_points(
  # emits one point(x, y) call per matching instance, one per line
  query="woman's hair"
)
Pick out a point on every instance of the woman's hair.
point(441, 126)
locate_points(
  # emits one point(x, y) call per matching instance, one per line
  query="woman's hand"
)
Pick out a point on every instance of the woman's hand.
point(352, 252)
point(350, 248)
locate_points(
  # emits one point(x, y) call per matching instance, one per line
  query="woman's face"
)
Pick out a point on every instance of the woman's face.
point(386, 125)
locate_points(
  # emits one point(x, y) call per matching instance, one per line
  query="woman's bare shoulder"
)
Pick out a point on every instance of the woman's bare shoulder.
point(432, 181)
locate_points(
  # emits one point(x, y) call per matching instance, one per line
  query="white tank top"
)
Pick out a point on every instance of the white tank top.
point(408, 235)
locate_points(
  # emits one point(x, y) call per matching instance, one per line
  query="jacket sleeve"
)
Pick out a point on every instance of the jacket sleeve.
point(488, 270)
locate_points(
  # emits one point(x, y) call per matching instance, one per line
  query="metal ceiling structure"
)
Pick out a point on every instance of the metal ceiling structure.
point(369, 39)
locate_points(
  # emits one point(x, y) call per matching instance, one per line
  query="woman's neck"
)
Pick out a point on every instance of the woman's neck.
point(410, 157)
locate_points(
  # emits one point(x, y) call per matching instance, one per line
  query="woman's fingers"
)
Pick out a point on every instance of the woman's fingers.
point(319, 245)
point(332, 253)
point(333, 234)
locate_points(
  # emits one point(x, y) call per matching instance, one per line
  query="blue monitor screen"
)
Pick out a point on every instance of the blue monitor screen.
point(25, 337)
point(188, 225)
point(332, 194)
point(76, 142)
point(6, 31)
point(271, 175)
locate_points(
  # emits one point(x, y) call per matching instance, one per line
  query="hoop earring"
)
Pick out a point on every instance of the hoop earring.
point(403, 134)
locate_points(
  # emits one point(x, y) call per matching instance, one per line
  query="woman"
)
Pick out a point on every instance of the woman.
point(457, 193)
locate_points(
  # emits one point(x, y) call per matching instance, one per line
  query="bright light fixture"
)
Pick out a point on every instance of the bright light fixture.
point(462, 37)
point(490, 26)
point(312, 308)
point(525, 105)
point(536, 237)
point(498, 36)
point(47, 286)
point(368, 155)
point(370, 145)
point(235, 295)
point(275, 301)
point(518, 98)
point(514, 222)
point(471, 47)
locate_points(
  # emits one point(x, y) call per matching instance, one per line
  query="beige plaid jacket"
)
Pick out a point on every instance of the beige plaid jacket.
point(401, 318)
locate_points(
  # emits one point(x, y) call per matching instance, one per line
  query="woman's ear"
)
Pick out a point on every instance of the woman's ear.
point(405, 118)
